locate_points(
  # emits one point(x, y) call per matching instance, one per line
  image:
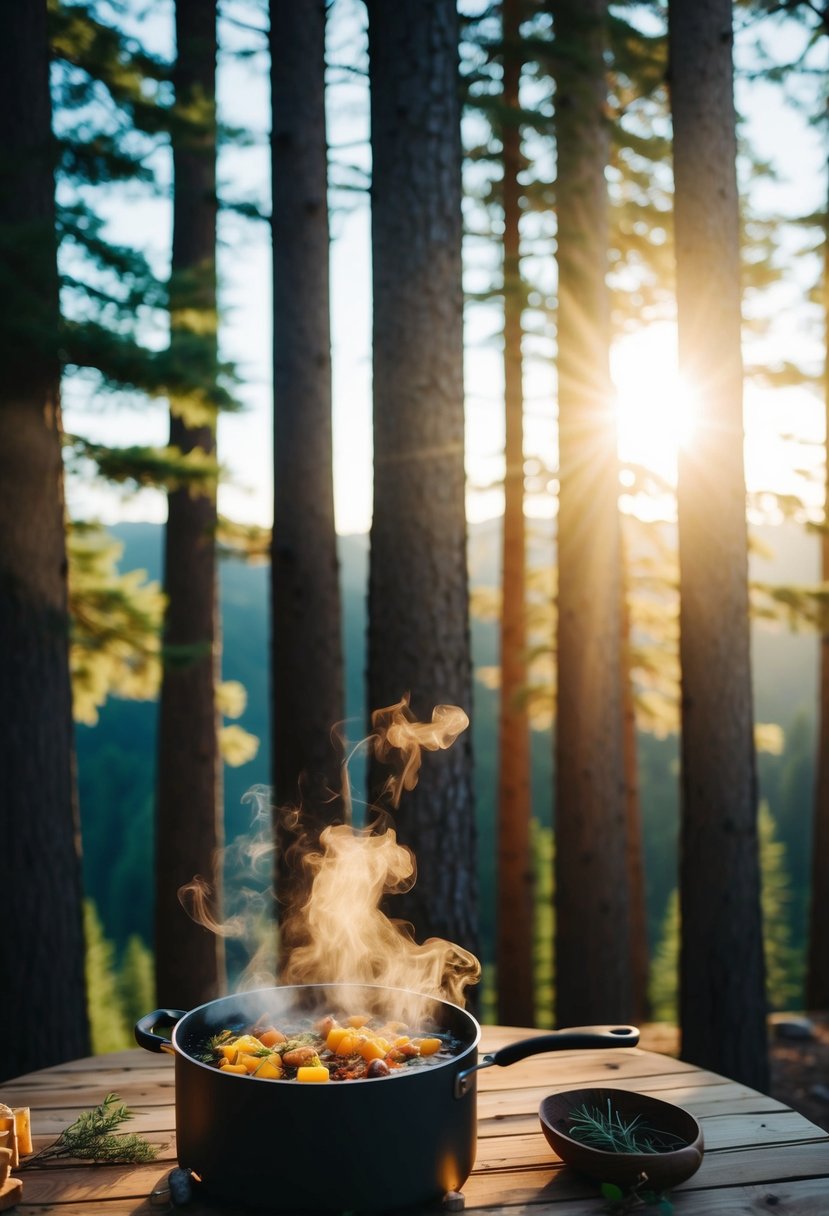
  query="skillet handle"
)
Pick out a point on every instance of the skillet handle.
point(577, 1038)
point(145, 1027)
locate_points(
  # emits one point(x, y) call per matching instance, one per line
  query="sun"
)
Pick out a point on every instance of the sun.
point(655, 409)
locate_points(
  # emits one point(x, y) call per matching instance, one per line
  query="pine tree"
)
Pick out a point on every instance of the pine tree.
point(189, 813)
point(515, 874)
point(41, 961)
point(306, 651)
point(592, 897)
point(722, 1006)
point(418, 634)
point(817, 975)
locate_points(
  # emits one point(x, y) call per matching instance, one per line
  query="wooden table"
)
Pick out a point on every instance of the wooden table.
point(761, 1157)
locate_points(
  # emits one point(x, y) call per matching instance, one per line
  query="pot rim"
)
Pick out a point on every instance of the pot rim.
point(397, 1076)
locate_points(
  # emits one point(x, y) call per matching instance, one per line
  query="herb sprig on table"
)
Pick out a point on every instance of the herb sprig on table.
point(94, 1137)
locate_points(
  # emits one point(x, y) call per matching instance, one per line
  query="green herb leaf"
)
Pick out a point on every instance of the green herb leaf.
point(92, 1137)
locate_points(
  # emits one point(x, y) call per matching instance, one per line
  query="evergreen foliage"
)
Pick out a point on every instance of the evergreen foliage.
point(115, 644)
point(118, 993)
point(108, 1026)
point(136, 984)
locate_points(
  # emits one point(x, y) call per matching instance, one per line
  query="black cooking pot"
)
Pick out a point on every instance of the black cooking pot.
point(369, 1145)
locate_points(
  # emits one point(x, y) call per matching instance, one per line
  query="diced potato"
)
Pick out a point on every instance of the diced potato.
point(313, 1073)
point(357, 1020)
point(347, 1044)
point(401, 1040)
point(250, 1063)
point(428, 1047)
point(23, 1127)
point(230, 1054)
point(371, 1049)
point(268, 1069)
point(238, 1068)
point(335, 1036)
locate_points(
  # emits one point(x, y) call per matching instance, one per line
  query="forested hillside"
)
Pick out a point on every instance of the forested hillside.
point(116, 757)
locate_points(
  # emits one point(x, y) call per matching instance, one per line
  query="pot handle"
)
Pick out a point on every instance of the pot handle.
point(574, 1039)
point(145, 1026)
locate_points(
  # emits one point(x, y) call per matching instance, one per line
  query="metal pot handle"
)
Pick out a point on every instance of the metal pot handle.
point(145, 1026)
point(574, 1039)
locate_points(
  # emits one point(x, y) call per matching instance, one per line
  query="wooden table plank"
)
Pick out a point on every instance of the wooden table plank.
point(501, 1112)
point(760, 1156)
point(801, 1197)
point(739, 1167)
point(796, 1197)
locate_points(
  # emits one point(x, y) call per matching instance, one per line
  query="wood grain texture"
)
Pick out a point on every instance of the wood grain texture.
point(760, 1156)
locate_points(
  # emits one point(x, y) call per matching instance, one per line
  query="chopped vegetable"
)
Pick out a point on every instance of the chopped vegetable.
point(313, 1073)
point(354, 1049)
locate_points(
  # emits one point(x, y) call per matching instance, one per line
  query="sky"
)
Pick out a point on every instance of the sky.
point(643, 364)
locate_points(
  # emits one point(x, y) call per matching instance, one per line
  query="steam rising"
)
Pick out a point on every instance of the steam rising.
point(345, 937)
point(340, 934)
point(396, 730)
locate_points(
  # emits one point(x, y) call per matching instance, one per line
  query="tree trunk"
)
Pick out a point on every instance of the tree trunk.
point(514, 957)
point(593, 980)
point(817, 972)
point(307, 660)
point(41, 946)
point(418, 635)
point(633, 814)
point(722, 999)
point(189, 826)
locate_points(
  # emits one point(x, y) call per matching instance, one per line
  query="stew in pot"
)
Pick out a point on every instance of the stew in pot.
point(357, 1048)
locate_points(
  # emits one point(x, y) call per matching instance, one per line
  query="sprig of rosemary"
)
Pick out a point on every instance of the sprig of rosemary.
point(93, 1137)
point(613, 1134)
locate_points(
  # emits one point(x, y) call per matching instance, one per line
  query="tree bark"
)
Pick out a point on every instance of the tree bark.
point(418, 635)
point(817, 971)
point(189, 818)
point(41, 946)
point(307, 659)
point(722, 998)
point(514, 949)
point(639, 955)
point(593, 980)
